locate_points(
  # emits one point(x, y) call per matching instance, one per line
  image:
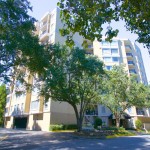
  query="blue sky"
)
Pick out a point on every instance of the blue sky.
point(40, 7)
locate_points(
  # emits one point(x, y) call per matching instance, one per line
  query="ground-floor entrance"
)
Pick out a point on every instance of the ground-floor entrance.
point(20, 122)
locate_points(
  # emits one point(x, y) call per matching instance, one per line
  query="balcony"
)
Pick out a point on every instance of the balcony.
point(129, 56)
point(131, 64)
point(44, 36)
point(132, 71)
point(128, 48)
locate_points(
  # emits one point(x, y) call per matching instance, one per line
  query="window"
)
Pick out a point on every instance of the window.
point(52, 27)
point(6, 110)
point(132, 71)
point(90, 46)
point(106, 51)
point(114, 43)
point(7, 99)
point(108, 67)
point(114, 51)
point(103, 109)
point(34, 105)
point(52, 17)
point(11, 110)
point(115, 59)
point(128, 46)
point(51, 37)
point(107, 59)
point(105, 43)
point(140, 111)
point(129, 54)
point(130, 62)
point(130, 110)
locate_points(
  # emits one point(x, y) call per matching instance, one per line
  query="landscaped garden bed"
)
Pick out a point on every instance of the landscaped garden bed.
point(109, 132)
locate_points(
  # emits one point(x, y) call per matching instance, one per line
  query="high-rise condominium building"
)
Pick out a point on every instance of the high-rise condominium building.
point(120, 51)
point(31, 112)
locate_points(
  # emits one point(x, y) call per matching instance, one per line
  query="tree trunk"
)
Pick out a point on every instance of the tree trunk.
point(117, 122)
point(79, 118)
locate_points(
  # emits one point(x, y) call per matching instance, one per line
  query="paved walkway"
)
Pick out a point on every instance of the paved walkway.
point(37, 140)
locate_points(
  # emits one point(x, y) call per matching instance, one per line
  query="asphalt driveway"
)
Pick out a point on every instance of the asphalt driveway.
point(37, 140)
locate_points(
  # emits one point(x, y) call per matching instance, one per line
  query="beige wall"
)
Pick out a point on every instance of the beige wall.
point(39, 122)
point(8, 123)
point(62, 113)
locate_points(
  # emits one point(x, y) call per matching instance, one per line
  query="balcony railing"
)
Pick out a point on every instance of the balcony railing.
point(132, 71)
point(129, 54)
point(131, 63)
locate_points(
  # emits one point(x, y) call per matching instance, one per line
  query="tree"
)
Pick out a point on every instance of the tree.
point(2, 103)
point(88, 18)
point(18, 44)
point(72, 77)
point(121, 91)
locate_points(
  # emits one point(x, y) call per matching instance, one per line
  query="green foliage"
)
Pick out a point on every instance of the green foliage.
point(2, 103)
point(18, 45)
point(121, 92)
point(88, 17)
point(97, 122)
point(72, 77)
point(56, 127)
point(70, 127)
point(138, 124)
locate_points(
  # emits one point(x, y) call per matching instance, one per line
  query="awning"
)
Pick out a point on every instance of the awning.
point(123, 116)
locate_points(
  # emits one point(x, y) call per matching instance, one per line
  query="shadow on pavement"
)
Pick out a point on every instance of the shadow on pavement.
point(67, 141)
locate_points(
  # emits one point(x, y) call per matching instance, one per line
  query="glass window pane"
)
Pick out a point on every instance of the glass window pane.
point(114, 43)
point(114, 51)
point(108, 67)
point(115, 59)
point(105, 43)
point(107, 59)
point(106, 51)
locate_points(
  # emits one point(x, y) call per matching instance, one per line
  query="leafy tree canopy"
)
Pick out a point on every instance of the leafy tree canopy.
point(18, 44)
point(120, 92)
point(88, 16)
point(72, 77)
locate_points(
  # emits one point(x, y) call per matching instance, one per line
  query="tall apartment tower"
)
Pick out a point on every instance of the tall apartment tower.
point(29, 110)
point(120, 51)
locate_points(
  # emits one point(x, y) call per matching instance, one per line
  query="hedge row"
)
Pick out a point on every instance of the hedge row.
point(55, 127)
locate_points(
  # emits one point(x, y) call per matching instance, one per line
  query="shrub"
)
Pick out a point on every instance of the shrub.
point(97, 122)
point(55, 127)
point(138, 124)
point(70, 127)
